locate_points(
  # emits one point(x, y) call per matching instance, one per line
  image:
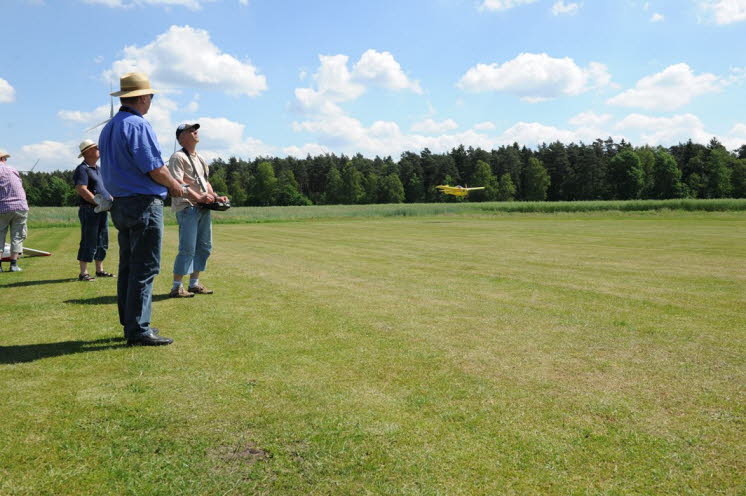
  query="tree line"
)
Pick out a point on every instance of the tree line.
point(602, 170)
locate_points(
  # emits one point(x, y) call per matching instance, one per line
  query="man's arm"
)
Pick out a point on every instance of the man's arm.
point(85, 193)
point(164, 178)
point(214, 195)
point(197, 197)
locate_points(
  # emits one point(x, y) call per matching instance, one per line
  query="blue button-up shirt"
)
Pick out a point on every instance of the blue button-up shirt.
point(129, 151)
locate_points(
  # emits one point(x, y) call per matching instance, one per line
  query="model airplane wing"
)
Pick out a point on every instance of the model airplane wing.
point(456, 190)
point(27, 252)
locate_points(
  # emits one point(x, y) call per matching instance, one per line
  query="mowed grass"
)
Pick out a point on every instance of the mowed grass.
point(68, 216)
point(515, 354)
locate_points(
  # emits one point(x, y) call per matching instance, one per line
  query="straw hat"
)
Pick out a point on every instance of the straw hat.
point(85, 146)
point(134, 84)
point(4, 154)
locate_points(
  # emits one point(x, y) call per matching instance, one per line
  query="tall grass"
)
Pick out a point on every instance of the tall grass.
point(68, 216)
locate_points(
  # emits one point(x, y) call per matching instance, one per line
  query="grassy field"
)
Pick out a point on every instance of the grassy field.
point(576, 353)
point(68, 216)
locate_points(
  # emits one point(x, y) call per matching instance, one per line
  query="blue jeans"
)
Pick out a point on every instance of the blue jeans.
point(94, 234)
point(195, 240)
point(139, 220)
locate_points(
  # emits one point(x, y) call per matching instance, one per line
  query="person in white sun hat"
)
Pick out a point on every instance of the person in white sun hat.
point(94, 224)
point(138, 180)
point(13, 210)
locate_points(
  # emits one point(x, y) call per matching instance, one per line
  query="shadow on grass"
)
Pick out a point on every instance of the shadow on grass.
point(107, 300)
point(31, 352)
point(21, 284)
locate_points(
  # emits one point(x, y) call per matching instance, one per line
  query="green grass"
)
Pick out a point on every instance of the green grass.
point(575, 353)
point(68, 216)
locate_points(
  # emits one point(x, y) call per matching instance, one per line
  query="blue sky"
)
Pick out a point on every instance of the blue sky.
point(376, 77)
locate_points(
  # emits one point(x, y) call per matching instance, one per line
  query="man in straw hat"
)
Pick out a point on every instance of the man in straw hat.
point(135, 175)
point(195, 224)
point(13, 210)
point(94, 226)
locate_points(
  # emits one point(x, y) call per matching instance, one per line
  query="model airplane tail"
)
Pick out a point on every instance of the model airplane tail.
point(27, 252)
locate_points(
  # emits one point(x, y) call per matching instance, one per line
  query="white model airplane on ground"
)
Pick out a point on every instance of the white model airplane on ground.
point(27, 252)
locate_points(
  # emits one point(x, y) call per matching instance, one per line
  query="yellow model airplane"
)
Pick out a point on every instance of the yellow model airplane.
point(456, 190)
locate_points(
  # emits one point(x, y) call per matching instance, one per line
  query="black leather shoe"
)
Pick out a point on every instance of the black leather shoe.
point(150, 338)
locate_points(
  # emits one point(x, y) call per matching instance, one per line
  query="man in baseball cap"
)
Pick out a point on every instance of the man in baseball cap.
point(195, 222)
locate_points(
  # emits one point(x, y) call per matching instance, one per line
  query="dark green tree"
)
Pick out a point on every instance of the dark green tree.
point(666, 177)
point(718, 165)
point(370, 185)
point(352, 185)
point(535, 181)
point(264, 187)
point(58, 192)
point(236, 190)
point(738, 178)
point(483, 177)
point(506, 188)
point(626, 175)
point(391, 190)
point(334, 187)
point(287, 190)
point(414, 192)
point(218, 182)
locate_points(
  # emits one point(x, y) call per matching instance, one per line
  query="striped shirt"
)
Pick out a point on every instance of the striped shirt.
point(12, 195)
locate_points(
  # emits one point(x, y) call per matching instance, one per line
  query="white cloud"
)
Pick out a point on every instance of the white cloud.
point(670, 89)
point(7, 92)
point(725, 11)
point(430, 126)
point(485, 126)
point(737, 75)
point(312, 149)
point(221, 137)
point(344, 134)
point(243, 2)
point(185, 57)
point(562, 8)
point(52, 155)
point(94, 117)
point(381, 69)
point(497, 5)
point(657, 17)
point(189, 4)
point(220, 130)
point(667, 131)
point(533, 133)
point(536, 77)
point(335, 83)
point(334, 79)
point(590, 119)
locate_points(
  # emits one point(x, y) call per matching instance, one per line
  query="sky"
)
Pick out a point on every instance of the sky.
point(376, 77)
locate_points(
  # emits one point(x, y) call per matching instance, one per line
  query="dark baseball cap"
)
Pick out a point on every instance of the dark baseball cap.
point(184, 127)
